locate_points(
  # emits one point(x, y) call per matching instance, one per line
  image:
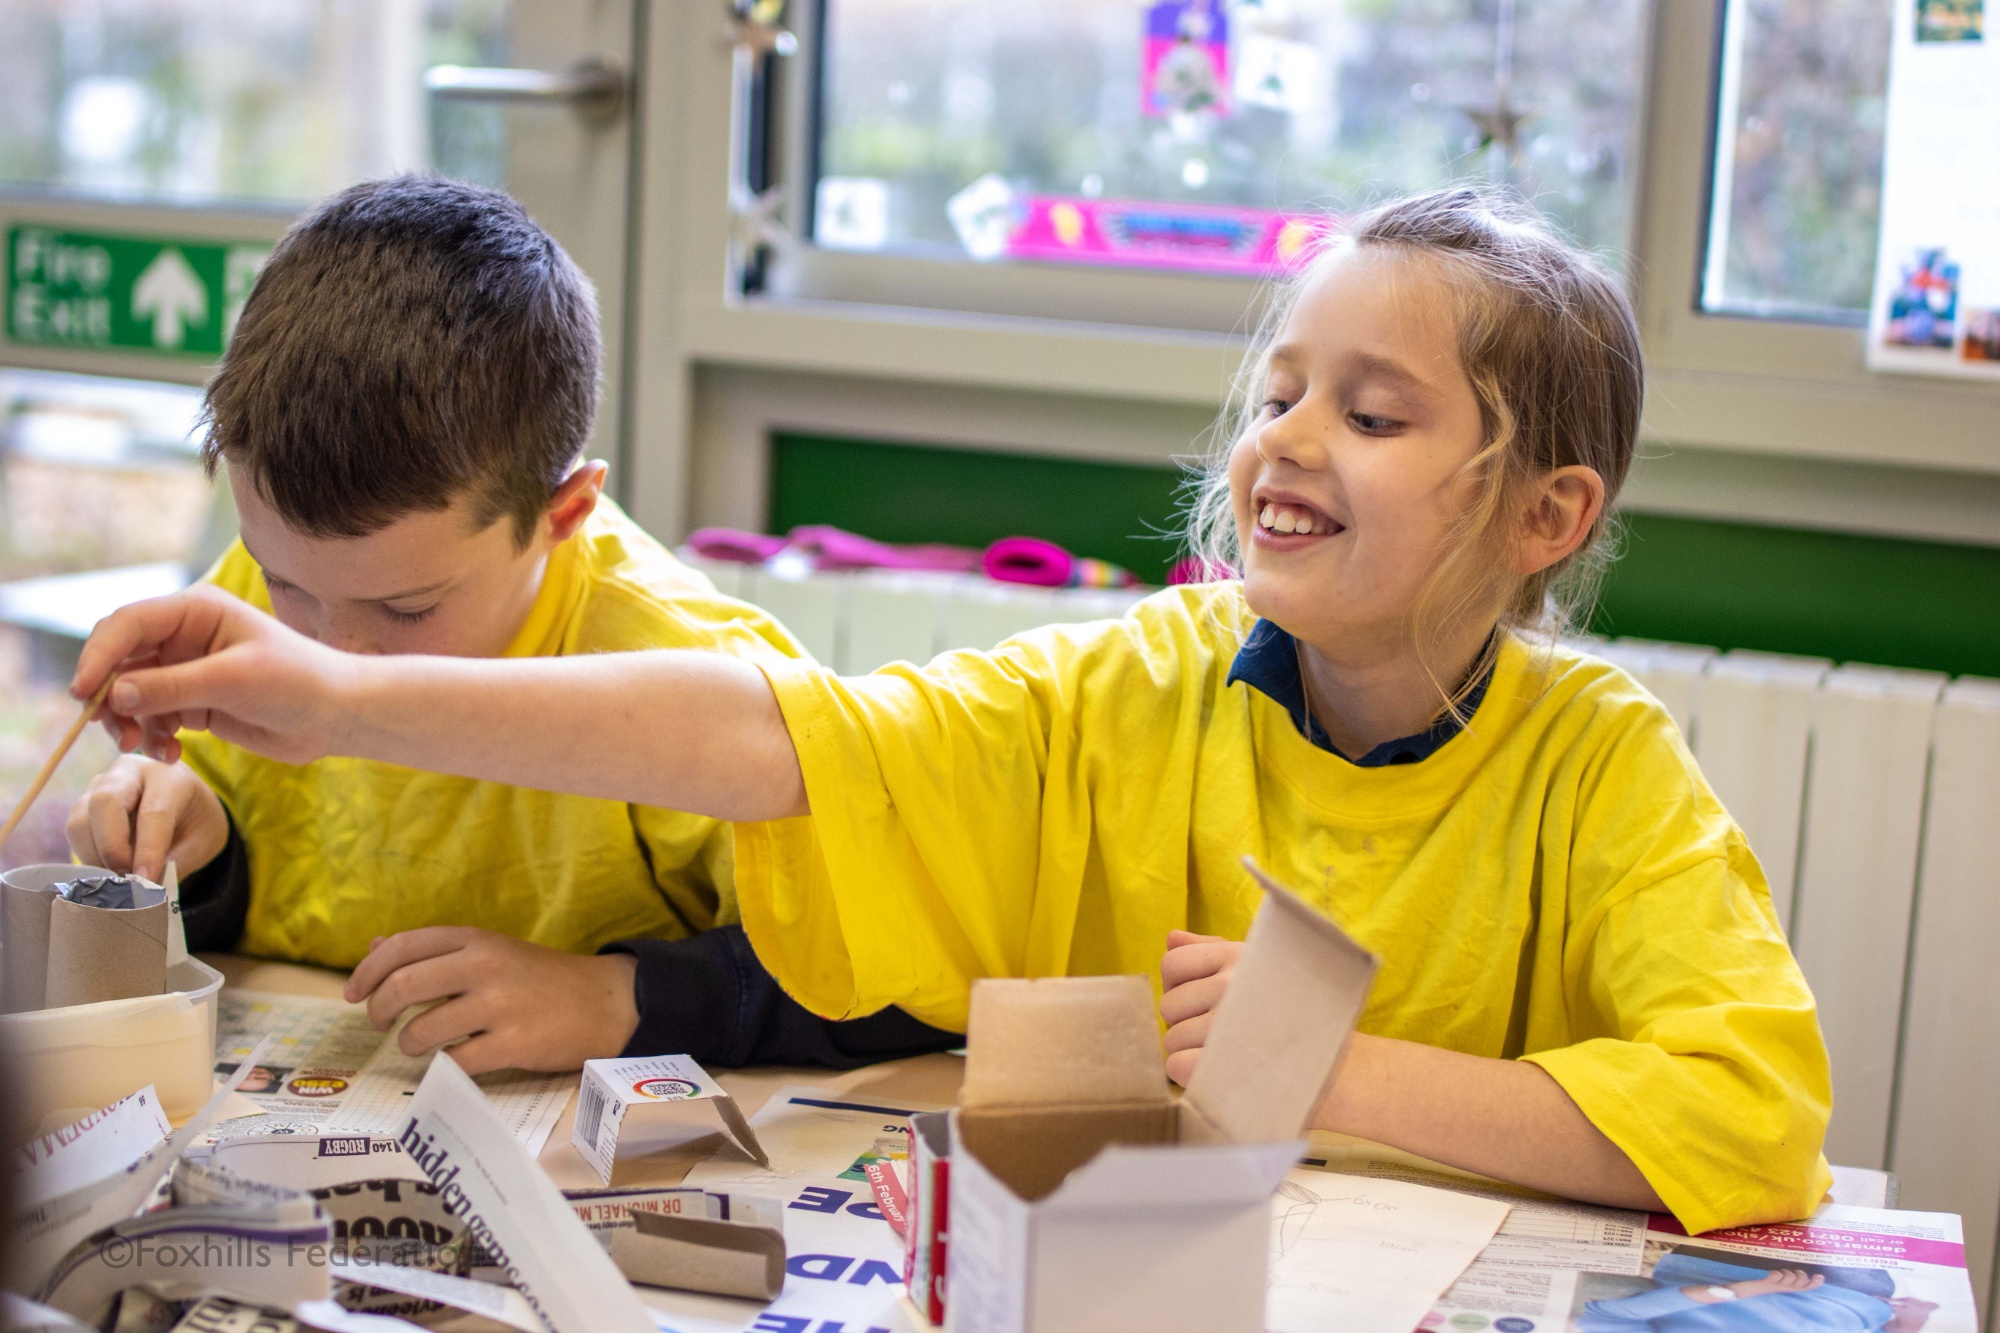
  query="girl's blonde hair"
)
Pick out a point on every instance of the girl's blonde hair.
point(1547, 338)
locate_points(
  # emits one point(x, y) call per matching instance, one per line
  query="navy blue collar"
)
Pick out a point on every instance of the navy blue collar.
point(1269, 663)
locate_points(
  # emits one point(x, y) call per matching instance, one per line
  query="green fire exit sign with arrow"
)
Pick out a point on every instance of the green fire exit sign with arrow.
point(126, 293)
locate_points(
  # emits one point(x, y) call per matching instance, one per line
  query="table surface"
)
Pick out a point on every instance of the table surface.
point(925, 1078)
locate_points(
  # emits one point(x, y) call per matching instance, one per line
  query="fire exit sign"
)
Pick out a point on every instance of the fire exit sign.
point(106, 291)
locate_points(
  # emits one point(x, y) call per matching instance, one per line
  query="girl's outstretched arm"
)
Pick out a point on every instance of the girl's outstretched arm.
point(683, 729)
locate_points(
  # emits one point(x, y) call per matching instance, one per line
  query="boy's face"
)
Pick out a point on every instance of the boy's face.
point(429, 582)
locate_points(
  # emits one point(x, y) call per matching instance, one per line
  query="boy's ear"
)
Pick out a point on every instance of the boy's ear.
point(576, 499)
point(1562, 510)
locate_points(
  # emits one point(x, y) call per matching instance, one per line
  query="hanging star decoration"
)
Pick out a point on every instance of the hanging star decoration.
point(753, 28)
point(1498, 124)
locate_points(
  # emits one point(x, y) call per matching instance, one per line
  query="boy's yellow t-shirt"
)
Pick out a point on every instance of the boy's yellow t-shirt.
point(343, 850)
point(1556, 883)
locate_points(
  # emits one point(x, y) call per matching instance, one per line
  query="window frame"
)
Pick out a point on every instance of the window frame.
point(1808, 393)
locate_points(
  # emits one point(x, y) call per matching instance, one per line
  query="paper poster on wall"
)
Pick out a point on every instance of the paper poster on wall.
point(1937, 272)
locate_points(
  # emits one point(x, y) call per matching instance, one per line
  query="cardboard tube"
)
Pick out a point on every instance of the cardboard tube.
point(26, 895)
point(700, 1254)
point(107, 953)
point(24, 919)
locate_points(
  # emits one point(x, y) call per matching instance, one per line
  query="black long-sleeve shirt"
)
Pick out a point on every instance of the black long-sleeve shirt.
point(705, 996)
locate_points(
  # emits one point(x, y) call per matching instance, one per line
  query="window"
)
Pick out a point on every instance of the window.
point(193, 101)
point(1798, 159)
point(1206, 135)
point(96, 473)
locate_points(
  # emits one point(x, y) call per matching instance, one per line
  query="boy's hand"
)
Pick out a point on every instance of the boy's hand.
point(1193, 976)
point(511, 1004)
point(140, 814)
point(207, 661)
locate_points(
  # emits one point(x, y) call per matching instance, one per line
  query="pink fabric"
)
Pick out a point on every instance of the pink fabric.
point(1030, 560)
point(836, 548)
point(748, 548)
point(1043, 564)
point(1193, 569)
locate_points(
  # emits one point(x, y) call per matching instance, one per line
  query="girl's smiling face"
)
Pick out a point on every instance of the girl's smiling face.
point(1347, 484)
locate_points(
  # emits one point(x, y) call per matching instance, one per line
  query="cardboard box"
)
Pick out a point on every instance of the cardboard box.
point(930, 1193)
point(675, 1101)
point(1083, 1195)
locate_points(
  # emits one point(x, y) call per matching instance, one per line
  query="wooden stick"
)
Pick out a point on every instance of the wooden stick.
point(49, 769)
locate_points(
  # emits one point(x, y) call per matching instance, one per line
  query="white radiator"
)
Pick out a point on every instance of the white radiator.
point(1871, 797)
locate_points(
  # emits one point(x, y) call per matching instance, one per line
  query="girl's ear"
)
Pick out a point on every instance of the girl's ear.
point(1562, 509)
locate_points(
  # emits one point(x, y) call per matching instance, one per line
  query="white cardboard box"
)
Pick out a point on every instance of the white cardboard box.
point(662, 1090)
point(1083, 1196)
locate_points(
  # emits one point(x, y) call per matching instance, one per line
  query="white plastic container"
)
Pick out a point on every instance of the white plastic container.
point(86, 1056)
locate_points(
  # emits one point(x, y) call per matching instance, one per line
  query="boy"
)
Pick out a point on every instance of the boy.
point(402, 410)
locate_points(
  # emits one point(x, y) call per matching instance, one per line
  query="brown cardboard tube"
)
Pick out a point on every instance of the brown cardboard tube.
point(104, 953)
point(24, 919)
point(701, 1254)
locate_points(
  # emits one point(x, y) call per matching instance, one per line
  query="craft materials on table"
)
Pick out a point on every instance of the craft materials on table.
point(81, 935)
point(1368, 1256)
point(102, 998)
point(328, 1069)
point(1521, 1274)
point(846, 1263)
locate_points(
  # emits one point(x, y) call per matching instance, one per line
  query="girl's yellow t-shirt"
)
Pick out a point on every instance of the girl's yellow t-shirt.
point(342, 850)
point(1556, 883)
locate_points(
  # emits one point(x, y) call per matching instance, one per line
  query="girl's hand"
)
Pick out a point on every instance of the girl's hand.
point(207, 661)
point(140, 814)
point(1193, 976)
point(510, 1004)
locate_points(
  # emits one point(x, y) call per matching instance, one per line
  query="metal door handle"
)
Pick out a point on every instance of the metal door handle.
point(595, 87)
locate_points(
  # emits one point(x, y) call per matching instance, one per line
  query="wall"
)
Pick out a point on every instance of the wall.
point(1889, 601)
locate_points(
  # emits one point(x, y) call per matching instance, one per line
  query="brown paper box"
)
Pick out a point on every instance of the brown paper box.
point(1083, 1197)
point(701, 1254)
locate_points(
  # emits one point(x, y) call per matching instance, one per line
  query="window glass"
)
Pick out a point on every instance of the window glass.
point(102, 502)
point(193, 101)
point(1207, 134)
point(1798, 159)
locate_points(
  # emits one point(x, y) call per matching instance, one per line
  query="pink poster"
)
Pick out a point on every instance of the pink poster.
point(1186, 58)
point(1200, 237)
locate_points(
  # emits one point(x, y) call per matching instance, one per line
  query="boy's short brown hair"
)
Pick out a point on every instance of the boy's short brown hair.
point(410, 341)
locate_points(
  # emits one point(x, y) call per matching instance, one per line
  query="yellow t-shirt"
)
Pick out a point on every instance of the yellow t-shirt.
point(1556, 882)
point(342, 850)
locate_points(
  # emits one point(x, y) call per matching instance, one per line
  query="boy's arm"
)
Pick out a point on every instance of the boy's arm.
point(683, 729)
point(707, 996)
point(215, 900)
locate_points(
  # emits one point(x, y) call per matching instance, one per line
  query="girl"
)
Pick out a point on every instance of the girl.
point(1583, 986)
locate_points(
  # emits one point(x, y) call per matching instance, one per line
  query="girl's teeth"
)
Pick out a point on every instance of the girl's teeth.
point(1277, 519)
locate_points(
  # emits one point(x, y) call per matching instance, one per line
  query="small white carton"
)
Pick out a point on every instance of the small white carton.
point(668, 1092)
point(1083, 1196)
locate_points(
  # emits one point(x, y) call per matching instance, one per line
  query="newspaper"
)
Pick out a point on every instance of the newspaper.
point(43, 1234)
point(99, 1145)
point(328, 1071)
point(1527, 1271)
point(1848, 1267)
point(511, 1211)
